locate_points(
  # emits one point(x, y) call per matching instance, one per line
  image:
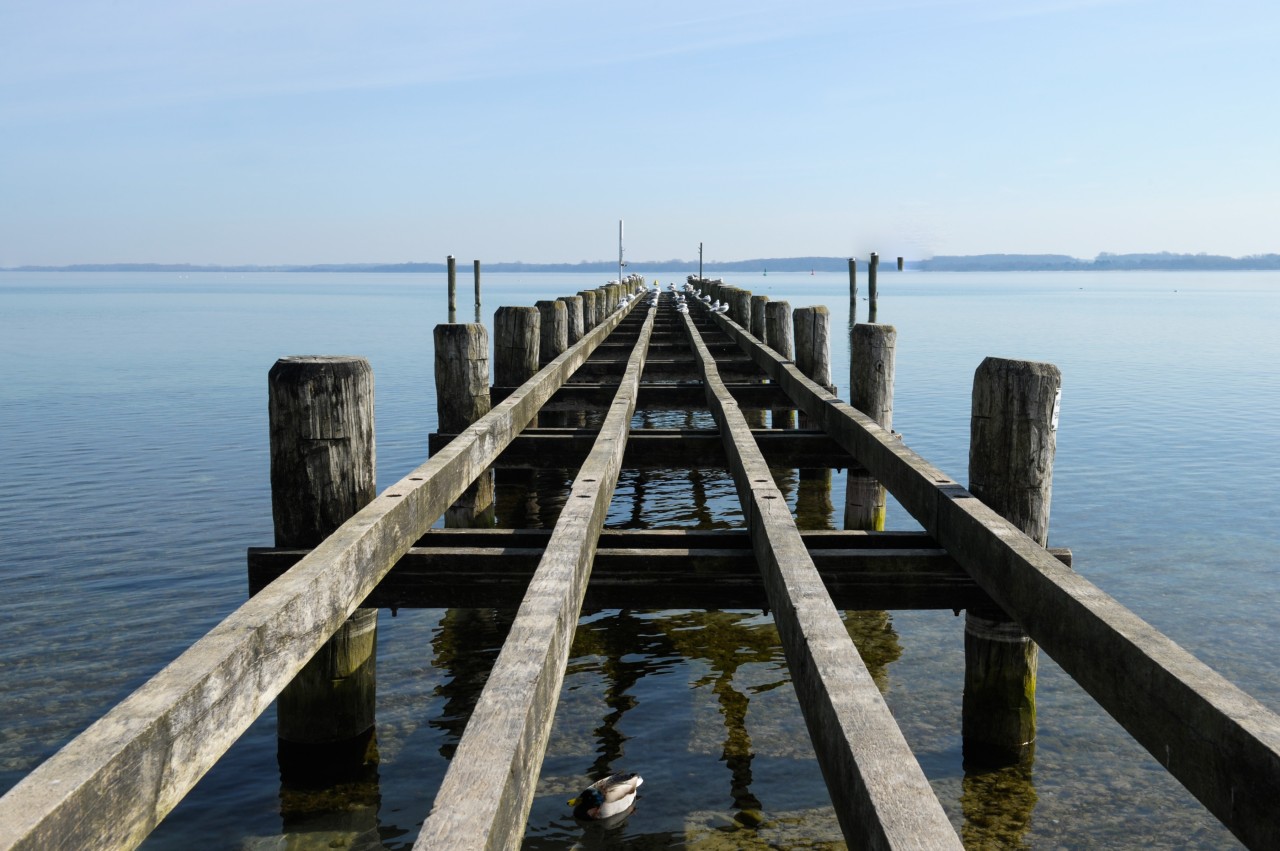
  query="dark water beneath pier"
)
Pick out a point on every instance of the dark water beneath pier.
point(134, 454)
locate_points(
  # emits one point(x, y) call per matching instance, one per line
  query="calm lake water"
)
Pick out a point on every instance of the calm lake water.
point(135, 457)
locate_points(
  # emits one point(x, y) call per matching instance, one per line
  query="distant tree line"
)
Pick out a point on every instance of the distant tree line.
point(1163, 261)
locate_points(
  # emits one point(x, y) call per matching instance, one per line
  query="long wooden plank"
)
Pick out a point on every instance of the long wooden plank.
point(881, 796)
point(111, 785)
point(581, 396)
point(485, 797)
point(1219, 742)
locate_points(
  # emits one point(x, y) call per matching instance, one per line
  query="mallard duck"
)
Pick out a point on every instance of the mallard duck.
point(608, 797)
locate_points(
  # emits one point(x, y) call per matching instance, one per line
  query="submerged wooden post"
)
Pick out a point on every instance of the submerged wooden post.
point(1013, 436)
point(871, 366)
point(476, 265)
point(554, 338)
point(778, 330)
point(453, 288)
point(873, 270)
point(576, 323)
point(462, 397)
point(323, 471)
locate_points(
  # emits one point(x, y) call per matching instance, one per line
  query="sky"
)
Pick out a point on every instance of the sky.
point(333, 131)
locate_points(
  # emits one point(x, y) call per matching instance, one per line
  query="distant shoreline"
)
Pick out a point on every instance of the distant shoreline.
point(1161, 262)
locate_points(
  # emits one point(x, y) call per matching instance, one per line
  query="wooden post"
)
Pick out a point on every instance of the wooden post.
point(554, 338)
point(453, 288)
point(853, 279)
point(777, 322)
point(462, 397)
point(900, 264)
point(517, 335)
point(871, 366)
point(323, 471)
point(476, 265)
point(758, 303)
point(873, 271)
point(589, 317)
point(573, 314)
point(813, 358)
point(740, 307)
point(1013, 436)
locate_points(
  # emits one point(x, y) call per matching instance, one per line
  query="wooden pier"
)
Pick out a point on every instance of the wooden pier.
point(568, 379)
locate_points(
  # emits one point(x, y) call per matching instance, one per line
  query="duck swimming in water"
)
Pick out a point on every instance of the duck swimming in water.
point(608, 797)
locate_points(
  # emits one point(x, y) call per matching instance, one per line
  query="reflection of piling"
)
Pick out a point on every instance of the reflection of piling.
point(873, 271)
point(1012, 442)
point(322, 472)
point(462, 397)
point(871, 366)
point(778, 331)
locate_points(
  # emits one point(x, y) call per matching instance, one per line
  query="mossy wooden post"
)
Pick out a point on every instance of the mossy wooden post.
point(589, 318)
point(452, 266)
point(476, 266)
point(777, 322)
point(813, 358)
point(320, 411)
point(573, 314)
point(1013, 436)
point(871, 366)
point(462, 397)
point(873, 271)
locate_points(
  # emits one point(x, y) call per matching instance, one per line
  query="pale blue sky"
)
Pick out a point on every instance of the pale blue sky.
point(230, 131)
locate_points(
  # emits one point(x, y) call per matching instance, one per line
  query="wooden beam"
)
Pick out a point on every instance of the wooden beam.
point(484, 799)
point(659, 570)
point(662, 448)
point(1220, 743)
point(112, 784)
point(882, 798)
point(581, 396)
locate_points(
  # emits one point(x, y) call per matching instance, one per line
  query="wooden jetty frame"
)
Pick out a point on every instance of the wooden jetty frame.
point(111, 785)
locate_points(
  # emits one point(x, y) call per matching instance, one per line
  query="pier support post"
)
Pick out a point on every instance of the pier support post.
point(554, 338)
point(1013, 437)
point(462, 397)
point(517, 335)
point(853, 292)
point(778, 330)
point(757, 418)
point(740, 306)
point(813, 358)
point(476, 267)
point(320, 411)
point(576, 322)
point(452, 266)
point(871, 366)
point(873, 272)
point(589, 318)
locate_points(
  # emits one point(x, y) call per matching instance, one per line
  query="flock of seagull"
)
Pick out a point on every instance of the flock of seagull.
point(680, 295)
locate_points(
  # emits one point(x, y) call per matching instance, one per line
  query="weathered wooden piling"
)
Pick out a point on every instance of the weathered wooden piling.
point(758, 303)
point(778, 330)
point(740, 307)
point(813, 358)
point(873, 271)
point(853, 279)
point(589, 317)
point(554, 337)
point(462, 397)
point(1013, 436)
point(476, 267)
point(900, 264)
point(320, 411)
point(871, 366)
point(576, 323)
point(452, 267)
